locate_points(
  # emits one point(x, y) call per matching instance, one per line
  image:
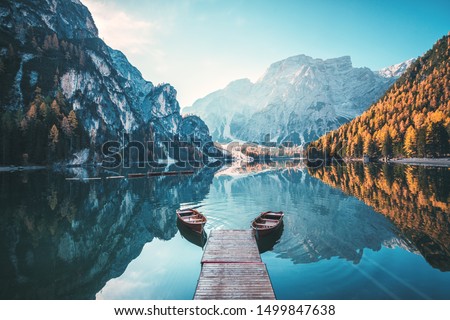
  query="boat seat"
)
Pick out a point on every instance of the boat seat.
point(262, 225)
point(188, 219)
point(265, 224)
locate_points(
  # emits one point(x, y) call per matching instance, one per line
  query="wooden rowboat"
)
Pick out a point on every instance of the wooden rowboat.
point(267, 222)
point(192, 219)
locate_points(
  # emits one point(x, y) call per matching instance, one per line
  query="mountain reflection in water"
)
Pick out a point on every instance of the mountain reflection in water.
point(65, 239)
point(350, 232)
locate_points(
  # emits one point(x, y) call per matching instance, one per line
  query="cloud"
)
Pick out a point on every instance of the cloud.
point(123, 31)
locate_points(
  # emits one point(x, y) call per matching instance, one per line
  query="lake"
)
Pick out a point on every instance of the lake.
point(350, 232)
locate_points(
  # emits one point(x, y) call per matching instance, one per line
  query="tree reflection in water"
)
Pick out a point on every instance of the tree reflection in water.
point(65, 239)
point(415, 199)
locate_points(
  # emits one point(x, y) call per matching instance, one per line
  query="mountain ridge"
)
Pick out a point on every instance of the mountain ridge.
point(411, 119)
point(300, 96)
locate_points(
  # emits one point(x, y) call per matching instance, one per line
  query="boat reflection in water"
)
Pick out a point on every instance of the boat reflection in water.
point(267, 242)
point(198, 239)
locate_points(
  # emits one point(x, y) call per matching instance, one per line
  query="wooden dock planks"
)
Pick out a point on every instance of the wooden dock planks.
point(232, 268)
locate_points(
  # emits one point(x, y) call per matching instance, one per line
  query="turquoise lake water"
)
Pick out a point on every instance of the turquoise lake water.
point(353, 232)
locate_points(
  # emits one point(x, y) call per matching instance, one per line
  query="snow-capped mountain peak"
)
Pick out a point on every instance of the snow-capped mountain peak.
point(396, 70)
point(297, 99)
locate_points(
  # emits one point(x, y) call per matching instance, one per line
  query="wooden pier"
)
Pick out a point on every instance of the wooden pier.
point(232, 268)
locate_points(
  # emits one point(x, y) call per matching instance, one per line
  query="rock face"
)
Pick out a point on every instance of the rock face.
point(194, 129)
point(297, 99)
point(54, 45)
point(68, 19)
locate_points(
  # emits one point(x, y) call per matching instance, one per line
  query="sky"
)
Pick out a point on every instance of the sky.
point(199, 46)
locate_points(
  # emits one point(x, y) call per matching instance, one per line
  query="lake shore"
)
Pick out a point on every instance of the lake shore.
point(21, 168)
point(434, 162)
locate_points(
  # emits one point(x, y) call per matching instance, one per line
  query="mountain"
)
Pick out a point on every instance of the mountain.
point(297, 99)
point(63, 86)
point(396, 70)
point(411, 119)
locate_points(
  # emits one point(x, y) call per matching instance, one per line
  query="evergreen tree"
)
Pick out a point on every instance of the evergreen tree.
point(359, 147)
point(6, 131)
point(370, 147)
point(18, 117)
point(431, 139)
point(2, 66)
point(55, 81)
point(11, 52)
point(386, 149)
point(421, 142)
point(443, 140)
point(373, 150)
point(39, 147)
point(60, 98)
point(436, 139)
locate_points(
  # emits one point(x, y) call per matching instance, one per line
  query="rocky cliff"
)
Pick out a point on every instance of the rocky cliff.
point(50, 49)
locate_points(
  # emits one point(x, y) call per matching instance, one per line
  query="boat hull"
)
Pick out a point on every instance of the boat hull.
point(194, 227)
point(192, 219)
point(265, 232)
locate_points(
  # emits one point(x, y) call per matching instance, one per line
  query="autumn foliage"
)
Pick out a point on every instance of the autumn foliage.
point(39, 126)
point(47, 131)
point(412, 119)
point(415, 199)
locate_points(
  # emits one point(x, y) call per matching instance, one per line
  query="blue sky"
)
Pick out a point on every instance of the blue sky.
point(201, 45)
